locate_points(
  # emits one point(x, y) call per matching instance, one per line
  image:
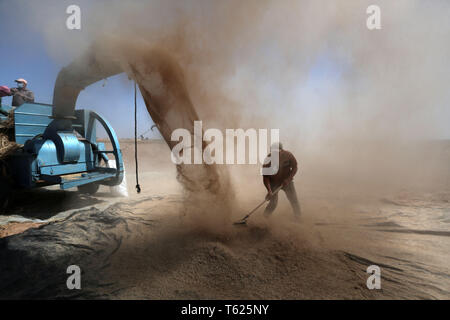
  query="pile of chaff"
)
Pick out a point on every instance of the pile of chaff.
point(7, 146)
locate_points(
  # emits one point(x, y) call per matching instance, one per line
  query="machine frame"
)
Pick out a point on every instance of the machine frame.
point(57, 151)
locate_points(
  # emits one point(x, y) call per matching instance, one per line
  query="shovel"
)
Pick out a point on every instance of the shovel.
point(244, 219)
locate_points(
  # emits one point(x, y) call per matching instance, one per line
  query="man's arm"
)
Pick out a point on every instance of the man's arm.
point(29, 96)
point(266, 181)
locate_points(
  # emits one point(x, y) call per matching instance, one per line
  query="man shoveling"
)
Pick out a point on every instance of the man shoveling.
point(287, 168)
point(276, 178)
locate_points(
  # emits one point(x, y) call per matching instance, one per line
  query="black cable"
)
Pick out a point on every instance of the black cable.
point(138, 187)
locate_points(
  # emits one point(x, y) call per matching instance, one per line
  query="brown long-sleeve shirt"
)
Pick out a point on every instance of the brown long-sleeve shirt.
point(287, 169)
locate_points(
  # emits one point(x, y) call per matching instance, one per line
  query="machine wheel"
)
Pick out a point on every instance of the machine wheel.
point(90, 188)
point(5, 195)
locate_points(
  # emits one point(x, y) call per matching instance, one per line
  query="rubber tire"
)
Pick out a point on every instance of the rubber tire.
point(5, 195)
point(90, 188)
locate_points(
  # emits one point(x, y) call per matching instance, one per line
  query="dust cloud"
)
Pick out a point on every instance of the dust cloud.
point(362, 111)
point(356, 107)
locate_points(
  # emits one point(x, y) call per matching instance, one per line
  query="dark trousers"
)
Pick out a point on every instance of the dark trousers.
point(291, 194)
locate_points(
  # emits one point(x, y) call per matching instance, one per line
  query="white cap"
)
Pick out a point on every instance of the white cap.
point(21, 80)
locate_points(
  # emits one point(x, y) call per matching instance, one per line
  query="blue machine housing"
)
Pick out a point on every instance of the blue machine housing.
point(61, 151)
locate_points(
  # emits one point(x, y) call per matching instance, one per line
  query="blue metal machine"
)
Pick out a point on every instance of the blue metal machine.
point(58, 151)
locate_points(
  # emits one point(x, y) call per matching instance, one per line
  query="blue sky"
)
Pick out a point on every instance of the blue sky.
point(23, 55)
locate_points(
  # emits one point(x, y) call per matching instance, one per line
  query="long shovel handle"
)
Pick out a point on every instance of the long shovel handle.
point(250, 213)
point(259, 205)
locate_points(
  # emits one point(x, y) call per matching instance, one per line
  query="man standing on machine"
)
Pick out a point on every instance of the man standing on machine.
point(282, 178)
point(21, 94)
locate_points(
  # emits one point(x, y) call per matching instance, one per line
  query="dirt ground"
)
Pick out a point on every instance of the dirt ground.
point(148, 246)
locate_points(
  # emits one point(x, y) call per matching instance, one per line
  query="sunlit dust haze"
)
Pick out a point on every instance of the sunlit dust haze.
point(351, 103)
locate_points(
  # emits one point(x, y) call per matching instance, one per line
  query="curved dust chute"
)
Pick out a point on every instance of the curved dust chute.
point(162, 85)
